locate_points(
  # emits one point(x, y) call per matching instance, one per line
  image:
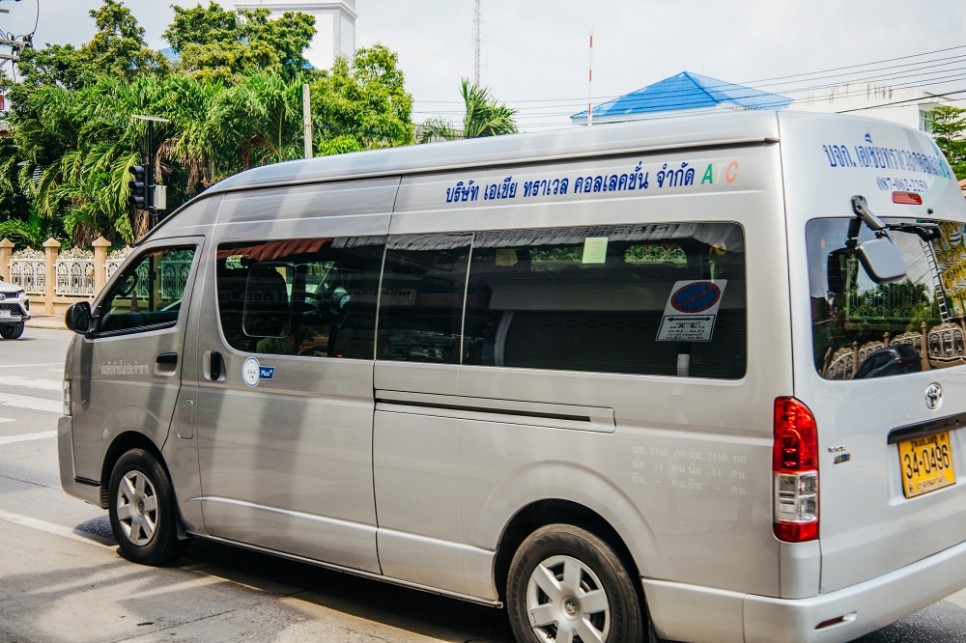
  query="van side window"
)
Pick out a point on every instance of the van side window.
point(148, 295)
point(597, 299)
point(421, 304)
point(308, 297)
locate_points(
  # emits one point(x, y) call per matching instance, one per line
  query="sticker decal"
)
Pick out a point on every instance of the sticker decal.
point(251, 371)
point(691, 311)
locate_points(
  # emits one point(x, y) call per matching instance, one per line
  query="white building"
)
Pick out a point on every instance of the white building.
point(335, 25)
point(905, 106)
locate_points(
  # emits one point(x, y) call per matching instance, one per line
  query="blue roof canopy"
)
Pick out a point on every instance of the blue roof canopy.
point(682, 92)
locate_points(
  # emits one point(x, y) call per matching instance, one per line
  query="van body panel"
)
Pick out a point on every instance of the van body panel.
point(868, 528)
point(737, 130)
point(533, 335)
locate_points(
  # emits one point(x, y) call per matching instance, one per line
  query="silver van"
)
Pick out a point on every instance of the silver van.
point(613, 378)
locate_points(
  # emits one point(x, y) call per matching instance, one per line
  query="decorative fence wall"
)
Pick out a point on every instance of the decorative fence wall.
point(55, 280)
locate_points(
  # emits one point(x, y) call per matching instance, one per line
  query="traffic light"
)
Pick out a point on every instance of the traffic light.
point(139, 187)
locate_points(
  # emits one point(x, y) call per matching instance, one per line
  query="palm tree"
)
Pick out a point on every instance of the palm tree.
point(484, 117)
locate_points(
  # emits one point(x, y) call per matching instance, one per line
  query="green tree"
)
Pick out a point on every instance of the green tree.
point(363, 105)
point(216, 44)
point(949, 131)
point(484, 117)
point(75, 136)
point(118, 47)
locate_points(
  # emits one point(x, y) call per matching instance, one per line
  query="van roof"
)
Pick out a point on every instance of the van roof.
point(709, 130)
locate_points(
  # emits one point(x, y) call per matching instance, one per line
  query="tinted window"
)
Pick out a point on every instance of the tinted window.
point(599, 299)
point(149, 293)
point(421, 306)
point(862, 329)
point(310, 297)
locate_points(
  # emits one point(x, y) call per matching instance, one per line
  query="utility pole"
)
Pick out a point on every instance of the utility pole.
point(155, 196)
point(476, 39)
point(16, 45)
point(307, 121)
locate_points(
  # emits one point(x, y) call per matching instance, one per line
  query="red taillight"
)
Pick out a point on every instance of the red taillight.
point(907, 198)
point(795, 471)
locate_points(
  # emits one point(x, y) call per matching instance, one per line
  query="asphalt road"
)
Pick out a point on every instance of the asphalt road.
point(61, 578)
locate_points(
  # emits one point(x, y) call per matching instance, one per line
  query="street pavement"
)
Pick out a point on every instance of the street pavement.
point(61, 578)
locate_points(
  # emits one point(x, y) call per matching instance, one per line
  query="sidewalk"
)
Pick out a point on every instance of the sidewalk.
point(46, 321)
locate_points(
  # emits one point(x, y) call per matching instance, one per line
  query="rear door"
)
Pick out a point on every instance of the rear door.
point(881, 366)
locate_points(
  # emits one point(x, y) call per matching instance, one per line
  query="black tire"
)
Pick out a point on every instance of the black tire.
point(11, 332)
point(142, 508)
point(595, 600)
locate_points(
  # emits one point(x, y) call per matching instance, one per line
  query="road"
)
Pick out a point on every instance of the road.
point(61, 578)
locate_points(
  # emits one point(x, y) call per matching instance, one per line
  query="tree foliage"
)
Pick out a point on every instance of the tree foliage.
point(484, 117)
point(232, 100)
point(949, 131)
point(216, 44)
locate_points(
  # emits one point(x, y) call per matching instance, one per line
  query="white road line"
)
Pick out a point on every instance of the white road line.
point(27, 437)
point(56, 530)
point(30, 365)
point(31, 382)
point(32, 403)
point(2, 420)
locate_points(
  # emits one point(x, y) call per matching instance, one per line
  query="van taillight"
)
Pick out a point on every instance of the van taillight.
point(795, 470)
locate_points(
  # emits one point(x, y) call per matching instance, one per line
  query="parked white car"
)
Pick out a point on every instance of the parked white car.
point(14, 310)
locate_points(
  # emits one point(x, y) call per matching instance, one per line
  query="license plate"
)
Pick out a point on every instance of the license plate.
point(4, 313)
point(926, 464)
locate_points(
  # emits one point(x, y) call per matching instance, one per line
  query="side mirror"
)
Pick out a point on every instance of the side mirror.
point(79, 318)
point(882, 260)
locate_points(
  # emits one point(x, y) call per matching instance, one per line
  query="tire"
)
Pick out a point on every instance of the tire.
point(143, 511)
point(566, 584)
point(12, 332)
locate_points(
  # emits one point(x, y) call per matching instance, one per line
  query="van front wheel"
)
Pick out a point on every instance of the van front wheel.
point(142, 509)
point(566, 584)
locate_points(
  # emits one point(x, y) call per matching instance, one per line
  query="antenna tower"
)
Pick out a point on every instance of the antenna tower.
point(476, 40)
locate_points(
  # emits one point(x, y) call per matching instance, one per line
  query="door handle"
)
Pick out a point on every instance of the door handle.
point(167, 359)
point(216, 366)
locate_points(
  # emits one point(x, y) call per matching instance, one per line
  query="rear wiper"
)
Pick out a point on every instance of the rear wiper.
point(926, 231)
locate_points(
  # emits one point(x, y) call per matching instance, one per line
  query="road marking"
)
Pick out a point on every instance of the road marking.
point(2, 420)
point(56, 530)
point(30, 382)
point(27, 437)
point(30, 365)
point(32, 403)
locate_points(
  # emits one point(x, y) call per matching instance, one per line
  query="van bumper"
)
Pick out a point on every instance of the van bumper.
point(86, 490)
point(690, 613)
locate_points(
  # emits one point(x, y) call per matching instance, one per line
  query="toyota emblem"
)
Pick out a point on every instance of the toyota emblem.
point(934, 396)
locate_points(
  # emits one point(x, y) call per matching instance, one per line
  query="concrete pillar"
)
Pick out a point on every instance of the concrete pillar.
point(51, 250)
point(6, 251)
point(101, 246)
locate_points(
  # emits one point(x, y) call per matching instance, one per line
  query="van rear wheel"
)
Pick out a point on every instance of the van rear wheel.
point(566, 584)
point(142, 510)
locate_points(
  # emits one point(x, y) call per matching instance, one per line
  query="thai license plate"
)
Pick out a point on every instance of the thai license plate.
point(4, 312)
point(926, 464)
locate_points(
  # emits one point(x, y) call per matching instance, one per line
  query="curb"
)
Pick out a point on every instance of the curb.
point(46, 321)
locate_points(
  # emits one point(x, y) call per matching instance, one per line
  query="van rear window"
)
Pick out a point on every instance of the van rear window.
point(861, 329)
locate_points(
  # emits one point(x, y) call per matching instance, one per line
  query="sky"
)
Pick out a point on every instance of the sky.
point(535, 54)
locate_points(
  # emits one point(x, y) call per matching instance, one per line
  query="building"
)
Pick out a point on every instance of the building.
point(335, 24)
point(686, 92)
point(906, 106)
